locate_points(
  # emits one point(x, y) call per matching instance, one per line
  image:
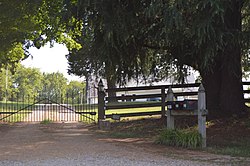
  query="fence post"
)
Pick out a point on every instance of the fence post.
point(163, 103)
point(101, 102)
point(202, 114)
point(170, 118)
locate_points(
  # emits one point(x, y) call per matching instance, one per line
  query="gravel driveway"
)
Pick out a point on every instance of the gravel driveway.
point(74, 144)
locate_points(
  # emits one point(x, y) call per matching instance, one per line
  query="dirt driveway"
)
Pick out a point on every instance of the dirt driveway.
point(76, 144)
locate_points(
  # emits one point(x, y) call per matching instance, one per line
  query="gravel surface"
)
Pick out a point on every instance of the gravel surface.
point(74, 144)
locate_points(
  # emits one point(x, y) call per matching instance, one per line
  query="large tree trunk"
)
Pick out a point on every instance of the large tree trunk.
point(224, 87)
point(212, 83)
point(111, 82)
point(224, 83)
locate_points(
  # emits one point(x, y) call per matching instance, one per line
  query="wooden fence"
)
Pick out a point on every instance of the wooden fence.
point(247, 92)
point(136, 97)
point(133, 99)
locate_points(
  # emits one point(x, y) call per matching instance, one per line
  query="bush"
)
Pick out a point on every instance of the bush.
point(46, 121)
point(188, 138)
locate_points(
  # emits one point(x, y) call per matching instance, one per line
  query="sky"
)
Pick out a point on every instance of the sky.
point(53, 59)
point(50, 60)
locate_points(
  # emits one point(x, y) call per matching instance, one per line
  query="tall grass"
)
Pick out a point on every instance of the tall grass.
point(187, 138)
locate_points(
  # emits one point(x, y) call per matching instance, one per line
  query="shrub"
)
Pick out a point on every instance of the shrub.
point(188, 138)
point(46, 121)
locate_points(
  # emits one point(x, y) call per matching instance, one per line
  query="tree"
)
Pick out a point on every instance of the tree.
point(206, 35)
point(54, 87)
point(27, 83)
point(17, 26)
point(86, 62)
point(26, 23)
point(210, 36)
point(76, 91)
point(102, 52)
point(5, 84)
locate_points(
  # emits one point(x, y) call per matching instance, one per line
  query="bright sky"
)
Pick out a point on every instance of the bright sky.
point(50, 60)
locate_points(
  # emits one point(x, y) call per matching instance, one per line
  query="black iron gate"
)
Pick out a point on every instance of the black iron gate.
point(71, 108)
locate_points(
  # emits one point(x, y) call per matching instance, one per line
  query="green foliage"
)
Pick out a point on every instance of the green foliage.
point(12, 56)
point(34, 23)
point(127, 39)
point(182, 138)
point(135, 39)
point(120, 40)
point(17, 27)
point(5, 84)
point(17, 22)
point(138, 37)
point(54, 86)
point(46, 121)
point(29, 84)
point(75, 92)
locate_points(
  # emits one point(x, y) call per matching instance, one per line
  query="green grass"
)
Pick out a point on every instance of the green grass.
point(17, 117)
point(132, 102)
point(238, 147)
point(187, 138)
point(131, 110)
point(118, 111)
point(235, 151)
point(13, 107)
point(46, 121)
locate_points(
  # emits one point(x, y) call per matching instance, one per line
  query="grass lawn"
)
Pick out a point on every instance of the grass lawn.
point(230, 136)
point(10, 107)
point(132, 110)
point(119, 111)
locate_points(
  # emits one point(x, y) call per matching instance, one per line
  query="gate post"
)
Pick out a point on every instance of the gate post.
point(170, 118)
point(163, 103)
point(101, 101)
point(202, 114)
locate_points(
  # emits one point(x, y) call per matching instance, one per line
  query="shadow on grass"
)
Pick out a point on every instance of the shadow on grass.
point(224, 136)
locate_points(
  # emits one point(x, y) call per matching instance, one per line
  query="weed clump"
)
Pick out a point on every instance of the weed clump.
point(187, 138)
point(46, 121)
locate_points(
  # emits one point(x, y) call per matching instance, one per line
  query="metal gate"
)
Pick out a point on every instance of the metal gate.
point(70, 108)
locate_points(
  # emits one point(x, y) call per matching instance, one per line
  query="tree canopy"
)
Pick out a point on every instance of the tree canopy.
point(26, 23)
point(209, 36)
point(27, 84)
point(124, 39)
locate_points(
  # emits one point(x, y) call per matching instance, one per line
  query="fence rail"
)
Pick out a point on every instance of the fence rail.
point(130, 98)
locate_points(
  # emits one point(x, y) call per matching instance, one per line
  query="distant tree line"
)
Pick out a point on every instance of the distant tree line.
point(30, 84)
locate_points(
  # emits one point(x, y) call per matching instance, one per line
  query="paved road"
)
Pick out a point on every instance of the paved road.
point(74, 144)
